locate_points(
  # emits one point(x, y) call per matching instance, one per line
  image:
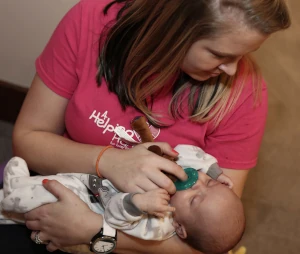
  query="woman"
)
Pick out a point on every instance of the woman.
point(183, 64)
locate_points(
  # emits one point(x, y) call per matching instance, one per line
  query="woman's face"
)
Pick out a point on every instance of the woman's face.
point(208, 58)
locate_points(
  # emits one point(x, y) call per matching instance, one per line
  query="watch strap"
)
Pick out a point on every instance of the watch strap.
point(105, 232)
point(108, 230)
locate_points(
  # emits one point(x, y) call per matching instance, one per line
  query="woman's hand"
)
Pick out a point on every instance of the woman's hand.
point(59, 222)
point(139, 170)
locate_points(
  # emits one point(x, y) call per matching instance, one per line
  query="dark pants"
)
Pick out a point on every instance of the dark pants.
point(15, 239)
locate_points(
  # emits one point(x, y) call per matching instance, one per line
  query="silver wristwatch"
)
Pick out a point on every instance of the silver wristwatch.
point(104, 241)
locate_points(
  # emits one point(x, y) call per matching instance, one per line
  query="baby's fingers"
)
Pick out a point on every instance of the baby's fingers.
point(170, 209)
point(228, 183)
point(165, 196)
point(167, 208)
point(159, 215)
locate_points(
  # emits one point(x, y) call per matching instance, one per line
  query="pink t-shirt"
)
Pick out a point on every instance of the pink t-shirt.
point(68, 67)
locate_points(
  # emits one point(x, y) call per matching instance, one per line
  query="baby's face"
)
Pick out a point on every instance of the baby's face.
point(206, 195)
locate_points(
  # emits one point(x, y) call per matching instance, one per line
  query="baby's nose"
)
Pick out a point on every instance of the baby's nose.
point(199, 186)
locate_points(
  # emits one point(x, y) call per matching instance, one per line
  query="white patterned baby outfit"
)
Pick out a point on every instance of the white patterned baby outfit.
point(23, 193)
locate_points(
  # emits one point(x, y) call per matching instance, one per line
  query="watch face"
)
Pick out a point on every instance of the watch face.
point(104, 246)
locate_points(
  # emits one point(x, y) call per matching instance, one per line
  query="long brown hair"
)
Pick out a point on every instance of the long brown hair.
point(149, 41)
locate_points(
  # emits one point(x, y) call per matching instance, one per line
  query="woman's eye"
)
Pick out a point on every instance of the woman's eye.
point(218, 56)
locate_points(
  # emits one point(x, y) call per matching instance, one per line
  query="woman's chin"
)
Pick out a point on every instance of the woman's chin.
point(203, 76)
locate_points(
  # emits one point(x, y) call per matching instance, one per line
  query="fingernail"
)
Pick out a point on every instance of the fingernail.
point(45, 181)
point(174, 151)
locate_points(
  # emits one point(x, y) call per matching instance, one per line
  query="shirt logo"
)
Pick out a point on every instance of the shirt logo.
point(123, 138)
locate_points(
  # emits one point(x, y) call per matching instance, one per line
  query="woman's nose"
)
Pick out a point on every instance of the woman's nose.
point(230, 67)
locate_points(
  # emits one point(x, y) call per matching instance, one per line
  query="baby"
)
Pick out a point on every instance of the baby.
point(209, 216)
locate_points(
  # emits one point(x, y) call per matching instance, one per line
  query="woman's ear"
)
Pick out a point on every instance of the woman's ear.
point(180, 229)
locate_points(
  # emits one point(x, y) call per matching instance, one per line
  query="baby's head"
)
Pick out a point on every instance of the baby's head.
point(209, 216)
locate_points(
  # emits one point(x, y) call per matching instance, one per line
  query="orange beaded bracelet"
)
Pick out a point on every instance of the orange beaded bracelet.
point(99, 157)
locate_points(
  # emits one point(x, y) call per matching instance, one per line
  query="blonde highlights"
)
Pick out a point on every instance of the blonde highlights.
point(143, 51)
point(219, 95)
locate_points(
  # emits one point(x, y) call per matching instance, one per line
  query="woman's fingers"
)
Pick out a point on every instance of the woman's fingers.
point(57, 223)
point(129, 170)
point(34, 214)
point(139, 188)
point(165, 148)
point(56, 188)
point(170, 166)
point(145, 185)
point(162, 181)
point(33, 225)
point(175, 170)
point(39, 235)
point(32, 235)
point(51, 247)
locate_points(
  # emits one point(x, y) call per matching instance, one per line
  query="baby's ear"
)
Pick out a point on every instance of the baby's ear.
point(180, 229)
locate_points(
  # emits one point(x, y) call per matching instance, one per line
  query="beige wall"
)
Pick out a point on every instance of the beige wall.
point(25, 27)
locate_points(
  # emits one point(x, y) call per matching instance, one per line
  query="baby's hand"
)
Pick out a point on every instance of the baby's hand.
point(225, 180)
point(154, 202)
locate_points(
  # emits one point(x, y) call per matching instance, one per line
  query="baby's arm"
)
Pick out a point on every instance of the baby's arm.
point(215, 172)
point(155, 202)
point(123, 208)
point(194, 157)
point(121, 212)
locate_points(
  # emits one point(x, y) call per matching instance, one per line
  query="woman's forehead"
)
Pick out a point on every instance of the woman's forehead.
point(233, 44)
